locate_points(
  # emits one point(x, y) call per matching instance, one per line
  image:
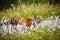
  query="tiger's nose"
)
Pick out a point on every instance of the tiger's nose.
point(1, 24)
point(38, 22)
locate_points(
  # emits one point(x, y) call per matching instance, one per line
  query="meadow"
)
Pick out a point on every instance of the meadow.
point(26, 11)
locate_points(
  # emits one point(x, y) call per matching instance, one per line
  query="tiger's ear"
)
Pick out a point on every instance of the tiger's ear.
point(35, 16)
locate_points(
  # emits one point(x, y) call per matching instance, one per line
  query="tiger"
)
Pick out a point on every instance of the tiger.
point(24, 21)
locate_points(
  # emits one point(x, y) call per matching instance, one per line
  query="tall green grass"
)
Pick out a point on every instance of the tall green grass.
point(30, 10)
point(27, 11)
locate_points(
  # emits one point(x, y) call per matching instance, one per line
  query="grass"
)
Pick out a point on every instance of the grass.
point(31, 10)
point(27, 11)
point(34, 35)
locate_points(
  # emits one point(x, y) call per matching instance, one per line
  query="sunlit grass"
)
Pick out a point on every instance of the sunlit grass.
point(42, 34)
point(29, 11)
